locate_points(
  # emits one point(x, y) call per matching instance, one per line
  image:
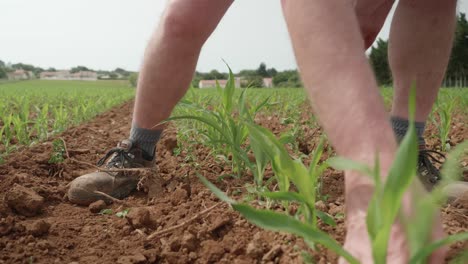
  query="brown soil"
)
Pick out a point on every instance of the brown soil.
point(52, 230)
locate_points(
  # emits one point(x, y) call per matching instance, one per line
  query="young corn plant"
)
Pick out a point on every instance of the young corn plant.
point(445, 117)
point(305, 179)
point(385, 204)
point(41, 124)
point(223, 129)
point(384, 207)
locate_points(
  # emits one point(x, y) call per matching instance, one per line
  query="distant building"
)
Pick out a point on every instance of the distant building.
point(67, 75)
point(20, 75)
point(222, 83)
point(268, 82)
point(84, 76)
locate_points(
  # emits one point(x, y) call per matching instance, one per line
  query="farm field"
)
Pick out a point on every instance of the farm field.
point(194, 225)
point(34, 110)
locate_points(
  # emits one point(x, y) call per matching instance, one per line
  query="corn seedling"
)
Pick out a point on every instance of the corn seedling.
point(58, 152)
point(384, 207)
point(223, 129)
point(445, 117)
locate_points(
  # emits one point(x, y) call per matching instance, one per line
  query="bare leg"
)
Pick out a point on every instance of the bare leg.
point(171, 57)
point(339, 81)
point(420, 42)
point(168, 68)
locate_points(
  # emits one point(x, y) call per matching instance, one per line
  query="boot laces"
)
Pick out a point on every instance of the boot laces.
point(427, 159)
point(118, 157)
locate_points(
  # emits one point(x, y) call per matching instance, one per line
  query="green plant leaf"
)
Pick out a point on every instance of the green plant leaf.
point(106, 212)
point(285, 196)
point(340, 163)
point(220, 194)
point(400, 176)
point(123, 213)
point(427, 251)
point(326, 218)
point(279, 222)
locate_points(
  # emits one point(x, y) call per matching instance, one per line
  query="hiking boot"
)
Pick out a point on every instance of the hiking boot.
point(428, 173)
point(430, 176)
point(116, 184)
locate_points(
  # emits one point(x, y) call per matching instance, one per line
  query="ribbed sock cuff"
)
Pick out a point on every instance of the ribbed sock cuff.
point(400, 127)
point(145, 139)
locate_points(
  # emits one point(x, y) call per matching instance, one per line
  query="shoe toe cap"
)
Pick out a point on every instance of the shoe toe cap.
point(82, 189)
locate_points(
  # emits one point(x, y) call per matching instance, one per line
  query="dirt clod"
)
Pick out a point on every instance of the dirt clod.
point(38, 228)
point(170, 143)
point(6, 225)
point(212, 251)
point(273, 253)
point(179, 196)
point(189, 242)
point(24, 201)
point(97, 206)
point(320, 205)
point(139, 217)
point(133, 259)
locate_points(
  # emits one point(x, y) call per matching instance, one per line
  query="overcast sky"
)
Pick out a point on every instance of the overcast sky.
point(105, 34)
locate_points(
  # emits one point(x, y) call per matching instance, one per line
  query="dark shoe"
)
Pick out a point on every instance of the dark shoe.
point(428, 173)
point(430, 176)
point(116, 184)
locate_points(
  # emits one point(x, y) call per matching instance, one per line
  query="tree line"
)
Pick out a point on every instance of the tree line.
point(457, 70)
point(5, 68)
point(456, 75)
point(254, 78)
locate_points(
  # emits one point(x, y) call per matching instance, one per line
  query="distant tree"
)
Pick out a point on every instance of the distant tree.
point(262, 70)
point(2, 64)
point(51, 69)
point(22, 66)
point(254, 81)
point(3, 73)
point(272, 72)
point(245, 73)
point(122, 72)
point(133, 79)
point(215, 75)
point(78, 69)
point(379, 61)
point(288, 78)
point(458, 64)
point(113, 76)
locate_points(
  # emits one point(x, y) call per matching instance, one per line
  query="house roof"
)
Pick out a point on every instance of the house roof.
point(213, 82)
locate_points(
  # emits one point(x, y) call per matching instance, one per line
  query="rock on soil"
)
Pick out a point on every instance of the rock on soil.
point(179, 196)
point(139, 218)
point(38, 228)
point(273, 253)
point(135, 259)
point(6, 225)
point(24, 201)
point(189, 241)
point(97, 206)
point(212, 251)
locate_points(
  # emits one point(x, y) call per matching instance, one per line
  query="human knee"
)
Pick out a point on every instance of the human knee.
point(183, 20)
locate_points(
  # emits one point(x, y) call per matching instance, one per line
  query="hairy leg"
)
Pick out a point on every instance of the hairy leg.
point(171, 57)
point(420, 42)
point(340, 83)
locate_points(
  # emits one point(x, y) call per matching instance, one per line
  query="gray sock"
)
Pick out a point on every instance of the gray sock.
point(400, 126)
point(145, 139)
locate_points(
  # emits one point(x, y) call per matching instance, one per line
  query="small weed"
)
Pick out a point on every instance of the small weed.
point(106, 212)
point(58, 152)
point(123, 213)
